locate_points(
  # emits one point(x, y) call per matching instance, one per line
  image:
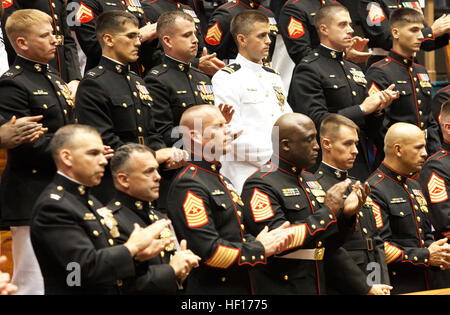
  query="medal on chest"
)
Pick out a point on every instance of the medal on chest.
point(206, 91)
point(236, 198)
point(273, 25)
point(110, 221)
point(134, 6)
point(193, 14)
point(143, 92)
point(167, 234)
point(280, 96)
point(316, 190)
point(64, 90)
point(413, 5)
point(424, 80)
point(421, 200)
point(358, 76)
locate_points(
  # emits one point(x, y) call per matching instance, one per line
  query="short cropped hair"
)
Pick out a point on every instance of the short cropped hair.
point(166, 21)
point(112, 22)
point(63, 137)
point(244, 21)
point(444, 116)
point(331, 125)
point(21, 21)
point(405, 16)
point(122, 155)
point(326, 13)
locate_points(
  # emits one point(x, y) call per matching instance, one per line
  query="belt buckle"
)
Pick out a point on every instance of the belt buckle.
point(141, 140)
point(369, 243)
point(318, 253)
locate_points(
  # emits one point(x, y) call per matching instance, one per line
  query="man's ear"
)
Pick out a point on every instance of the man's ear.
point(323, 29)
point(123, 180)
point(395, 33)
point(284, 145)
point(326, 144)
point(167, 41)
point(446, 128)
point(21, 43)
point(65, 157)
point(108, 40)
point(397, 150)
point(241, 39)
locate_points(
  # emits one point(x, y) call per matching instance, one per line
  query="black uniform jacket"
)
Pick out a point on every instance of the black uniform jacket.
point(174, 87)
point(296, 24)
point(158, 276)
point(75, 244)
point(365, 245)
point(116, 102)
point(435, 182)
point(280, 192)
point(401, 212)
point(66, 60)
point(29, 88)
point(206, 211)
point(374, 17)
point(414, 104)
point(323, 83)
point(86, 16)
point(218, 39)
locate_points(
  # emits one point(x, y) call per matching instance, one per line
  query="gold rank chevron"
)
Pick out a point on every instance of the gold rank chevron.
point(7, 3)
point(224, 257)
point(84, 13)
point(437, 189)
point(299, 235)
point(295, 28)
point(376, 14)
point(392, 252)
point(374, 89)
point(214, 35)
point(377, 214)
point(261, 206)
point(194, 210)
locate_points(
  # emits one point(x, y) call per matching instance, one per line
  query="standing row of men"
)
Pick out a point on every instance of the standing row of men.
point(205, 207)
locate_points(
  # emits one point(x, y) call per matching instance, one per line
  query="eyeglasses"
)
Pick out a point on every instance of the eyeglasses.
point(132, 36)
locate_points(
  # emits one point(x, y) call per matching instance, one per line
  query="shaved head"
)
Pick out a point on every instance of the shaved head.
point(400, 134)
point(200, 112)
point(294, 137)
point(405, 148)
point(287, 125)
point(204, 132)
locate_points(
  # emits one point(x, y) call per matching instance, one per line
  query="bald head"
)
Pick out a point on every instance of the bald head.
point(287, 125)
point(204, 132)
point(405, 148)
point(400, 134)
point(294, 137)
point(198, 113)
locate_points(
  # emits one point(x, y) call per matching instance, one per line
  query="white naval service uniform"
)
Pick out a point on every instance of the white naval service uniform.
point(258, 97)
